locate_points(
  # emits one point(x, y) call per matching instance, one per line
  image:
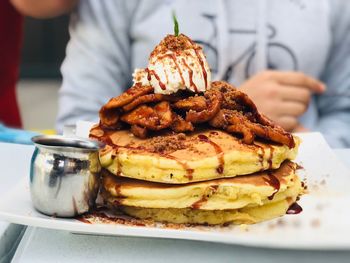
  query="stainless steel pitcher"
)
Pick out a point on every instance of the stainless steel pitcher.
point(64, 176)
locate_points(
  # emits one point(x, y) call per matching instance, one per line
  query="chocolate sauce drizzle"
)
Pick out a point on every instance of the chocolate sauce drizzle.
point(274, 182)
point(218, 150)
point(294, 209)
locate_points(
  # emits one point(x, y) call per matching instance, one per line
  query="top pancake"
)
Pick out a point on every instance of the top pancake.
point(179, 158)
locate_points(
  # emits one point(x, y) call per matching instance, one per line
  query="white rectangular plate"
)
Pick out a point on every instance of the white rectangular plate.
point(324, 223)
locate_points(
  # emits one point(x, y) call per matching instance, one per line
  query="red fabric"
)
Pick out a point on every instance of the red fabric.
point(11, 23)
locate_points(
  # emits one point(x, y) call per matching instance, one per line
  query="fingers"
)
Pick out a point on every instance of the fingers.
point(291, 108)
point(293, 93)
point(288, 113)
point(282, 96)
point(300, 128)
point(288, 123)
point(297, 79)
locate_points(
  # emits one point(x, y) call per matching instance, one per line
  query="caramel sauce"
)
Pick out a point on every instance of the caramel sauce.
point(203, 68)
point(299, 167)
point(204, 199)
point(117, 220)
point(84, 220)
point(117, 203)
point(103, 138)
point(261, 156)
point(149, 77)
point(117, 190)
point(274, 182)
point(294, 209)
point(199, 203)
point(218, 150)
point(189, 171)
point(190, 73)
point(196, 48)
point(270, 157)
point(173, 57)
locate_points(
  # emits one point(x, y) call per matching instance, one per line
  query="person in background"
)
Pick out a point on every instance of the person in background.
point(11, 27)
point(10, 47)
point(291, 57)
point(44, 9)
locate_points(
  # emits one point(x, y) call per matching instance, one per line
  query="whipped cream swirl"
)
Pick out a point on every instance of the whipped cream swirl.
point(177, 63)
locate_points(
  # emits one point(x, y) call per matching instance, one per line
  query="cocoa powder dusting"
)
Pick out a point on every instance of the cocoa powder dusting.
point(167, 144)
point(173, 43)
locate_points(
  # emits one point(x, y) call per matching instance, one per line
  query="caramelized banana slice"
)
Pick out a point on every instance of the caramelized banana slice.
point(153, 118)
point(196, 103)
point(214, 101)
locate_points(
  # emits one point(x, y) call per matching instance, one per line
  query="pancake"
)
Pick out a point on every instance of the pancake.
point(248, 215)
point(180, 159)
point(254, 190)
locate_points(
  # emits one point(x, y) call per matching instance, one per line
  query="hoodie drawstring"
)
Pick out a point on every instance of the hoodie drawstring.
point(224, 48)
point(261, 37)
point(223, 39)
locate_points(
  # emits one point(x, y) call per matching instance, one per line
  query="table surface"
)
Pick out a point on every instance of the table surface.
point(10, 234)
point(43, 245)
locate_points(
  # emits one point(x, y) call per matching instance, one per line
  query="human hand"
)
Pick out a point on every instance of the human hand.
point(282, 96)
point(300, 128)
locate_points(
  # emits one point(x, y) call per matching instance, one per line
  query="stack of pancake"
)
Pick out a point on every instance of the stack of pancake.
point(204, 158)
point(182, 186)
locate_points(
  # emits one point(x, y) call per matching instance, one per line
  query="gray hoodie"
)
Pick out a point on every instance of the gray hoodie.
point(109, 38)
